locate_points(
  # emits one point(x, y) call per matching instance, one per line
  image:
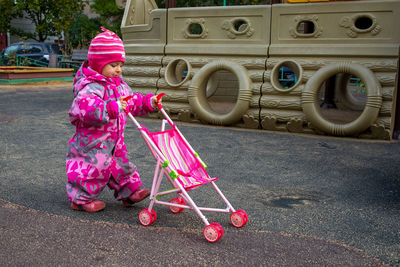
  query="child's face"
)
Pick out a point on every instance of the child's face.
point(113, 69)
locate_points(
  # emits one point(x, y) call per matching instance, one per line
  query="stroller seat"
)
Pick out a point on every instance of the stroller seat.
point(185, 166)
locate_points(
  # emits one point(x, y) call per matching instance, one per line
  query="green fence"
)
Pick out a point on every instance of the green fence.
point(27, 61)
point(20, 61)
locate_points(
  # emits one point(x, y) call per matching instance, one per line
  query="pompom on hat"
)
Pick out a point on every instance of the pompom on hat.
point(105, 48)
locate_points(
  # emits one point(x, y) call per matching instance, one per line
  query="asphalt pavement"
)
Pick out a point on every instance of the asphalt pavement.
point(311, 200)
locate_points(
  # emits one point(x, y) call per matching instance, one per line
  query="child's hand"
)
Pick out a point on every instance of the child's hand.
point(155, 102)
point(123, 100)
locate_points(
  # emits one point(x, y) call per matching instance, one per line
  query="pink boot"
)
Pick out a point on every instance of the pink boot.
point(93, 206)
point(137, 196)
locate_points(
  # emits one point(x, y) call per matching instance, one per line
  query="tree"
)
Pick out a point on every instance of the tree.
point(6, 7)
point(50, 17)
point(82, 30)
point(110, 14)
point(65, 14)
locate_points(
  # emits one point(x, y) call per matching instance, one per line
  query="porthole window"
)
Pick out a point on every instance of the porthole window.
point(177, 72)
point(286, 75)
point(360, 24)
point(306, 27)
point(195, 29)
point(240, 26)
point(363, 23)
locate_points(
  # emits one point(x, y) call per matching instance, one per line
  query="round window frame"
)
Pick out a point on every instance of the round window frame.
point(359, 16)
point(171, 67)
point(294, 66)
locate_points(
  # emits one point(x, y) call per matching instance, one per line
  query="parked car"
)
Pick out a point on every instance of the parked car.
point(37, 51)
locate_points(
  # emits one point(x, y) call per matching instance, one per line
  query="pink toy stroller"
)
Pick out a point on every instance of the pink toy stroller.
point(184, 169)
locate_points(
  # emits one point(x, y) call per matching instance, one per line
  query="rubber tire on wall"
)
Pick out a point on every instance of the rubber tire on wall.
point(372, 106)
point(197, 93)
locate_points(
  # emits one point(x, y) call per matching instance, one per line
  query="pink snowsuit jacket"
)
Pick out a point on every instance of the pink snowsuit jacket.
point(97, 155)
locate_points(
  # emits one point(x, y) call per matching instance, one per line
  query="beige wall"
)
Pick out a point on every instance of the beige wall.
point(251, 43)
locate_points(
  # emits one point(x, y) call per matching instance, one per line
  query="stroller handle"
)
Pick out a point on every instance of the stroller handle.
point(159, 106)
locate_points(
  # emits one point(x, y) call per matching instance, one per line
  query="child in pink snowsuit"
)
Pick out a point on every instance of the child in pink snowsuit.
point(97, 155)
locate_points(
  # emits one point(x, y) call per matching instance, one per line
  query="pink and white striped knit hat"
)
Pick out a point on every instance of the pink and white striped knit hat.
point(105, 48)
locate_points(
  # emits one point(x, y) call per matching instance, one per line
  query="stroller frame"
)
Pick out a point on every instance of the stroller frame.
point(212, 231)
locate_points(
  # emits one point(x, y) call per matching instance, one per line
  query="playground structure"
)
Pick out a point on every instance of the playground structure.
point(317, 68)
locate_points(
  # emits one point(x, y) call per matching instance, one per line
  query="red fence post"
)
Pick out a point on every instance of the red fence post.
point(3, 40)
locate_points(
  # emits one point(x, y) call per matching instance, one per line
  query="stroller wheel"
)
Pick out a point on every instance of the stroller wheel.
point(177, 200)
point(221, 230)
point(154, 216)
point(238, 218)
point(213, 232)
point(146, 217)
point(245, 216)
